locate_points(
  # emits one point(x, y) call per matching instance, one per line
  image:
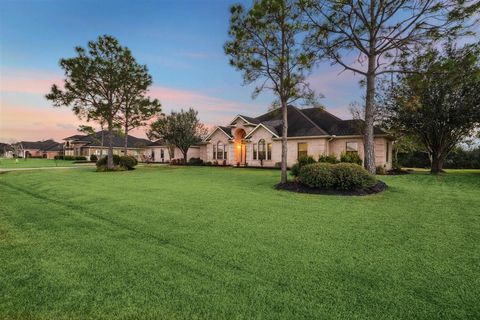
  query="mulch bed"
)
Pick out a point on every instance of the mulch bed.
point(300, 188)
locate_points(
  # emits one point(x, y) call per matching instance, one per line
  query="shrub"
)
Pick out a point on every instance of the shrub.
point(58, 157)
point(331, 158)
point(341, 176)
point(317, 175)
point(302, 161)
point(208, 163)
point(80, 158)
point(93, 158)
point(380, 170)
point(351, 157)
point(350, 176)
point(195, 162)
point(103, 161)
point(128, 162)
point(70, 158)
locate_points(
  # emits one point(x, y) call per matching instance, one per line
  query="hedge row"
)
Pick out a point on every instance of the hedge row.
point(70, 158)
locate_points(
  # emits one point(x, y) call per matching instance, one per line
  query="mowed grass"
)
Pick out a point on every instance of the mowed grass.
point(221, 243)
point(6, 163)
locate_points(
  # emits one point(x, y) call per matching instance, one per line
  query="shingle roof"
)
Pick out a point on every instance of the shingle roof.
point(310, 122)
point(94, 140)
point(227, 130)
point(47, 145)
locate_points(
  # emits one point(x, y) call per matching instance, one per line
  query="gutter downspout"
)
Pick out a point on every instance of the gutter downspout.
point(328, 143)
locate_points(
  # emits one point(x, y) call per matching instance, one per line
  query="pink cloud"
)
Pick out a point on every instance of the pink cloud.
point(20, 120)
point(20, 81)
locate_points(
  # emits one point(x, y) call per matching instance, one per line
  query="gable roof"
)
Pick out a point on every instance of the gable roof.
point(94, 140)
point(226, 130)
point(46, 145)
point(309, 122)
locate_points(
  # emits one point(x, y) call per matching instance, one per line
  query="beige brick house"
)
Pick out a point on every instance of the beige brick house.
point(313, 131)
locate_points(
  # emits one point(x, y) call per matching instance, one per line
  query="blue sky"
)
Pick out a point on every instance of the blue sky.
point(180, 41)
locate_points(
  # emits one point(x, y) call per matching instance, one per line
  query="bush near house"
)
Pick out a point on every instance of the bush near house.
point(341, 176)
point(351, 157)
point(128, 162)
point(195, 162)
point(330, 158)
point(302, 161)
point(93, 158)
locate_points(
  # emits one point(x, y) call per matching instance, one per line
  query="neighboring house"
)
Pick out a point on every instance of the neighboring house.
point(158, 151)
point(6, 150)
point(312, 131)
point(97, 144)
point(37, 149)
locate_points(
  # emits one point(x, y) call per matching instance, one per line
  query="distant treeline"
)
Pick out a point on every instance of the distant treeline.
point(457, 159)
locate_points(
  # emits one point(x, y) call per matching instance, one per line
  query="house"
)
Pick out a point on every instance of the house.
point(311, 131)
point(6, 150)
point(159, 151)
point(37, 149)
point(97, 144)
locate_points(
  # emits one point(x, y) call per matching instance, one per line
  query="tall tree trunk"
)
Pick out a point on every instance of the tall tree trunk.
point(437, 160)
point(368, 141)
point(171, 151)
point(185, 153)
point(110, 165)
point(125, 148)
point(284, 174)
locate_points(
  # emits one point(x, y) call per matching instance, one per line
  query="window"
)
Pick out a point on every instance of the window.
point(214, 151)
point(352, 146)
point(261, 149)
point(387, 148)
point(162, 154)
point(254, 151)
point(302, 148)
point(269, 151)
point(220, 150)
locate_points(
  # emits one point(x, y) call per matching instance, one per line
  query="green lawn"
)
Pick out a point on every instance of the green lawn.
point(33, 163)
point(210, 243)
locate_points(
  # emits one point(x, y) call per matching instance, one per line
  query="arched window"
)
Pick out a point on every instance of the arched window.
point(261, 149)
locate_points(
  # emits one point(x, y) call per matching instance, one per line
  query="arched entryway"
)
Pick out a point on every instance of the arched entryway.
point(240, 146)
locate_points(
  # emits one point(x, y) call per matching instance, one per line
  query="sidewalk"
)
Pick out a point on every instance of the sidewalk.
point(44, 168)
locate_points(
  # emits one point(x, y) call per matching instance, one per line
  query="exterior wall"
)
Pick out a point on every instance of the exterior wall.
point(339, 145)
point(193, 152)
point(219, 136)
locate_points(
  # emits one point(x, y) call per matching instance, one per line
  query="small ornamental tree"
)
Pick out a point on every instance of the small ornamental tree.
point(266, 45)
point(438, 104)
point(180, 129)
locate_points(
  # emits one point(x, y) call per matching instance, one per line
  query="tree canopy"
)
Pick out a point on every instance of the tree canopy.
point(180, 129)
point(266, 45)
point(98, 83)
point(438, 103)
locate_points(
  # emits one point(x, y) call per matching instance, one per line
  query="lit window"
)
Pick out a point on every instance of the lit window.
point(302, 150)
point(269, 151)
point(352, 146)
point(261, 149)
point(254, 151)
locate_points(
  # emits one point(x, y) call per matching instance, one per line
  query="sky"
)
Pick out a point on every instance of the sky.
point(181, 42)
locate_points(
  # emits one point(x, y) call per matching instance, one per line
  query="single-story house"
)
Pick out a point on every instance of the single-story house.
point(38, 149)
point(6, 150)
point(256, 141)
point(158, 151)
point(97, 144)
